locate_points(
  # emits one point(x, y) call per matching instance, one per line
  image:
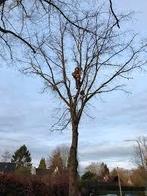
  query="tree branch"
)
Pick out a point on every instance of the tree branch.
point(19, 37)
point(67, 18)
point(111, 8)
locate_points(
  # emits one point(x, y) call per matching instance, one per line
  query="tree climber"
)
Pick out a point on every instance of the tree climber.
point(77, 76)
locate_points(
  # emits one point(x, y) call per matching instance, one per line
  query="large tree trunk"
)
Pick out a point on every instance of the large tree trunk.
point(73, 163)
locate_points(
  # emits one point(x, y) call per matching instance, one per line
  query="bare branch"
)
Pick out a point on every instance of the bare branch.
point(111, 7)
point(62, 123)
point(66, 17)
point(17, 36)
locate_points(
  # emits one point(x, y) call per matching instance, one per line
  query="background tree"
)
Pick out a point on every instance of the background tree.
point(124, 175)
point(104, 170)
point(140, 174)
point(42, 164)
point(6, 156)
point(141, 152)
point(94, 168)
point(99, 169)
point(88, 179)
point(22, 157)
point(63, 150)
point(138, 177)
point(56, 163)
point(103, 55)
point(88, 176)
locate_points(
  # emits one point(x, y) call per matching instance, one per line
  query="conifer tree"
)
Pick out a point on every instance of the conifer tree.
point(42, 164)
point(22, 157)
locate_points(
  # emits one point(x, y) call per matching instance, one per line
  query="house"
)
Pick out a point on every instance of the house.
point(6, 167)
point(112, 180)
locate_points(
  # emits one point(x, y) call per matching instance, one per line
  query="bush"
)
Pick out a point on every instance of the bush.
point(25, 171)
point(14, 185)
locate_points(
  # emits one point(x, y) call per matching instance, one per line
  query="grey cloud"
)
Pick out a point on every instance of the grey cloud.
point(127, 111)
point(97, 152)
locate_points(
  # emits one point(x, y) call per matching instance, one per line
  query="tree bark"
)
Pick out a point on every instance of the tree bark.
point(73, 163)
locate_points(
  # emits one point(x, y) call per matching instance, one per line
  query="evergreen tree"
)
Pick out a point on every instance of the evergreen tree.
point(22, 157)
point(42, 164)
point(104, 170)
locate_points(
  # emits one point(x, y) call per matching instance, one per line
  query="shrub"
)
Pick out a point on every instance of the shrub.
point(12, 185)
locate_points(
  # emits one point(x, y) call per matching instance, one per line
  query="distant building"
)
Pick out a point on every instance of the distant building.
point(113, 180)
point(106, 178)
point(7, 167)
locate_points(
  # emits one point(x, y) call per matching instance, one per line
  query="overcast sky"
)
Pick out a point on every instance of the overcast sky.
point(26, 114)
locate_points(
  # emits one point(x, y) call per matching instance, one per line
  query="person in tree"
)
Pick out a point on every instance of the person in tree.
point(77, 76)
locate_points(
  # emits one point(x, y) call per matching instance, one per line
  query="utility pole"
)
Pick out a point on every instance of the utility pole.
point(119, 183)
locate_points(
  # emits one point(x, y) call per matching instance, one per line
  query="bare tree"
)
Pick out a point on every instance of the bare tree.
point(56, 163)
point(64, 153)
point(6, 156)
point(74, 64)
point(78, 66)
point(59, 155)
point(100, 169)
point(141, 159)
point(141, 152)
